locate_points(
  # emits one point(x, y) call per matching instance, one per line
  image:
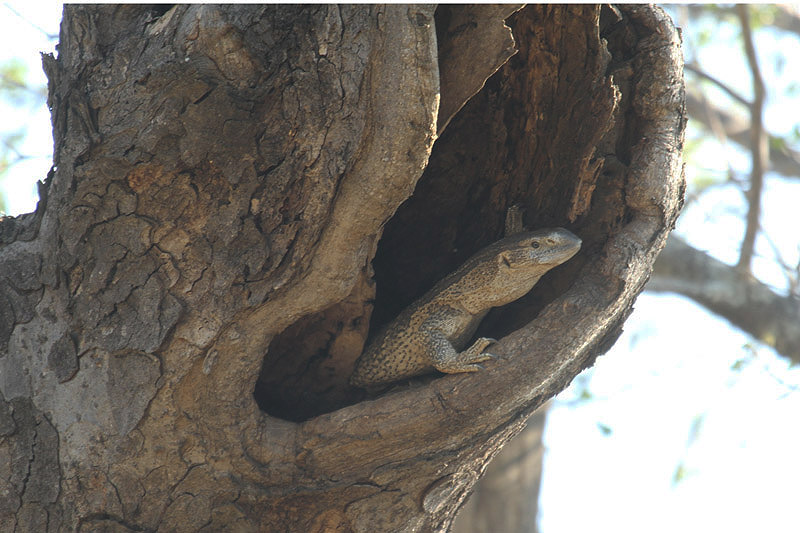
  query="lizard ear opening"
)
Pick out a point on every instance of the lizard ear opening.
point(505, 259)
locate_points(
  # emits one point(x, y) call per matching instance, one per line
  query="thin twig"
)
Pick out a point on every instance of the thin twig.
point(759, 145)
point(787, 17)
point(782, 159)
point(712, 118)
point(693, 67)
point(790, 272)
point(51, 36)
point(10, 147)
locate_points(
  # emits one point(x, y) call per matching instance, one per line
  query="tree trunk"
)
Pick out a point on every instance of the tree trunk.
point(506, 498)
point(224, 177)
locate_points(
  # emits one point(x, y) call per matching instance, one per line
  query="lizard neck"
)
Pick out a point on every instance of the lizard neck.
point(499, 288)
point(505, 288)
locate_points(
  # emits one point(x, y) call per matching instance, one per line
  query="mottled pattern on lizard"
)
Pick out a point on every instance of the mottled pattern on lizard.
point(431, 332)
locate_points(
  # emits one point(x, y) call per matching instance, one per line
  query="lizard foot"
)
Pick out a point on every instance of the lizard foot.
point(469, 359)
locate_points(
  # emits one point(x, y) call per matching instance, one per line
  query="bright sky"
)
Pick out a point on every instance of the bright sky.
point(667, 394)
point(24, 37)
point(666, 397)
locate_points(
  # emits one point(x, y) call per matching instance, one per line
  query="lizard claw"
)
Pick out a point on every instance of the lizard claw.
point(480, 344)
point(468, 360)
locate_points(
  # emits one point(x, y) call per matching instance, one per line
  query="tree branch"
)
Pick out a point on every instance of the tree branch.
point(720, 288)
point(51, 36)
point(782, 160)
point(233, 179)
point(736, 128)
point(691, 67)
point(787, 18)
point(758, 142)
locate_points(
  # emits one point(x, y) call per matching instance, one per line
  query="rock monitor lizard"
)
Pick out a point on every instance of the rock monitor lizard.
point(431, 332)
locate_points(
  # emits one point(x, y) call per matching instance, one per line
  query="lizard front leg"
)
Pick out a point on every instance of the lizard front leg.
point(445, 358)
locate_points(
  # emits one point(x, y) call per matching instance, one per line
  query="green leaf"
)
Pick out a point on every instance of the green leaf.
point(777, 143)
point(762, 15)
point(680, 474)
point(14, 86)
point(739, 364)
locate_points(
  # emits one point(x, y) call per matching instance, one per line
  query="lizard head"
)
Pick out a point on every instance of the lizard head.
point(507, 269)
point(538, 250)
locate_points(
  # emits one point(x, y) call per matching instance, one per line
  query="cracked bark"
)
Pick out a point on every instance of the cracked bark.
point(506, 498)
point(225, 179)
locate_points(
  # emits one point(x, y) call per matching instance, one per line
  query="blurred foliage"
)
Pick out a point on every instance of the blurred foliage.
point(740, 364)
point(9, 155)
point(16, 92)
point(696, 427)
point(14, 87)
point(701, 178)
point(761, 15)
point(681, 473)
point(605, 429)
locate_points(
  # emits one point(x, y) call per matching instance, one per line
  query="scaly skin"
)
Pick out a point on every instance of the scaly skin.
point(431, 332)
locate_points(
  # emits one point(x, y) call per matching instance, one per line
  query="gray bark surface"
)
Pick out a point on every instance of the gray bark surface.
point(723, 289)
point(224, 177)
point(506, 498)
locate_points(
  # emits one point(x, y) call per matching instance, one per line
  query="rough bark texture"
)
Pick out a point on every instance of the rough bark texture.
point(223, 175)
point(468, 35)
point(506, 498)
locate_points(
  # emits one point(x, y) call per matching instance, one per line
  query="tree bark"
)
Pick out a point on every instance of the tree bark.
point(726, 291)
point(224, 177)
point(506, 498)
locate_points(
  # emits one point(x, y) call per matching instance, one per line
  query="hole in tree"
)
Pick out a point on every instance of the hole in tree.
point(306, 369)
point(487, 159)
point(159, 10)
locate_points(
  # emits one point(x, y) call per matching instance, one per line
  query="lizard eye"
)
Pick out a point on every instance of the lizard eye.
point(535, 244)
